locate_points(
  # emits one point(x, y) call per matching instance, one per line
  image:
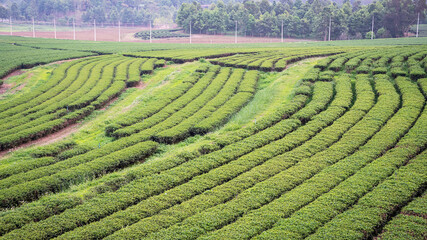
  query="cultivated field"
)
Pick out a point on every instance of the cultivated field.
point(310, 140)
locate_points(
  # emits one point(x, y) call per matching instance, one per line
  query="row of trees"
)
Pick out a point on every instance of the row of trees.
point(39, 9)
point(103, 11)
point(309, 19)
point(138, 12)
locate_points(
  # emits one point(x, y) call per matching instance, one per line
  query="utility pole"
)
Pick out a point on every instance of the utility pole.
point(54, 26)
point(119, 32)
point(235, 34)
point(418, 23)
point(372, 32)
point(282, 32)
point(34, 30)
point(94, 30)
point(330, 25)
point(74, 30)
point(10, 21)
point(151, 34)
point(190, 31)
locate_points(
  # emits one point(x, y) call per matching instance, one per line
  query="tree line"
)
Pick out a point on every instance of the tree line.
point(309, 19)
point(130, 12)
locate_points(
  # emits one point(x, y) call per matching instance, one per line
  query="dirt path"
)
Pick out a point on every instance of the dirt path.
point(14, 73)
point(61, 134)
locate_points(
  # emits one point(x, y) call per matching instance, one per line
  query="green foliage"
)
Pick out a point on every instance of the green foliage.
point(338, 155)
point(170, 33)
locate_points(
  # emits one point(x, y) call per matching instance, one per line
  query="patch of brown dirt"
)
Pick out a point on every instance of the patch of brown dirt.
point(14, 73)
point(141, 85)
point(5, 87)
point(61, 134)
point(107, 104)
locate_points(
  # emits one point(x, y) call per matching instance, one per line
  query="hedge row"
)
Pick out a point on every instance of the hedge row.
point(410, 223)
point(97, 230)
point(262, 168)
point(183, 129)
point(163, 100)
point(353, 172)
point(41, 209)
point(33, 189)
point(86, 93)
point(250, 160)
point(288, 109)
point(72, 83)
point(58, 75)
point(170, 109)
point(284, 202)
point(150, 64)
point(189, 110)
point(122, 70)
point(62, 77)
point(145, 35)
point(52, 149)
point(322, 95)
point(271, 61)
point(220, 116)
point(134, 72)
point(103, 79)
point(151, 185)
point(373, 209)
point(49, 206)
point(14, 57)
point(256, 163)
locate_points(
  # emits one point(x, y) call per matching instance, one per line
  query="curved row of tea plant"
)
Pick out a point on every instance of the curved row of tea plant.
point(212, 95)
point(76, 89)
point(339, 160)
point(14, 57)
point(267, 135)
point(167, 33)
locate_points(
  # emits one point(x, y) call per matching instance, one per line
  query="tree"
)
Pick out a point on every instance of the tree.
point(14, 11)
point(114, 16)
point(398, 16)
point(264, 6)
point(4, 13)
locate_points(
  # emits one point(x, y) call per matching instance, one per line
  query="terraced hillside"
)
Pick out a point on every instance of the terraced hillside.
point(333, 147)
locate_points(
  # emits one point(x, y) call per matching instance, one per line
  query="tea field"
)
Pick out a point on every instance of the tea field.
point(318, 140)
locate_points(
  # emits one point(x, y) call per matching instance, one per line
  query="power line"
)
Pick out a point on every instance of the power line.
point(282, 32)
point(54, 26)
point(190, 31)
point(94, 30)
point(235, 34)
point(34, 30)
point(418, 23)
point(74, 29)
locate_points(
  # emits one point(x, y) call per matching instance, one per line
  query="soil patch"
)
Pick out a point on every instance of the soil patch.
point(61, 134)
point(14, 73)
point(5, 87)
point(140, 85)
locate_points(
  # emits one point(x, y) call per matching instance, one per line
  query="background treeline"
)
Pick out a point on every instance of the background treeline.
point(130, 12)
point(309, 19)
